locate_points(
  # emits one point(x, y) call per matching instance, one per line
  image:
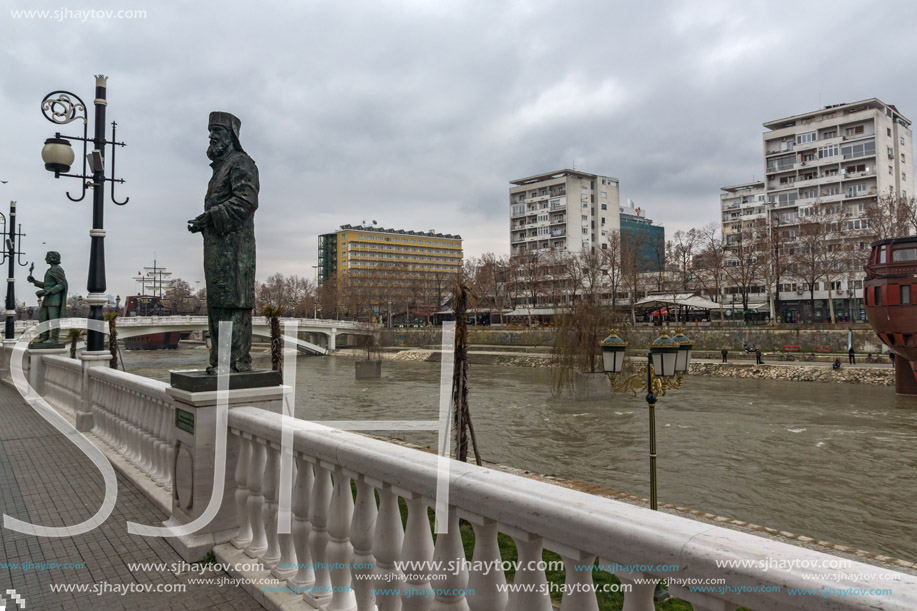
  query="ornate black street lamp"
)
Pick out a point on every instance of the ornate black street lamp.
point(667, 361)
point(62, 107)
point(11, 256)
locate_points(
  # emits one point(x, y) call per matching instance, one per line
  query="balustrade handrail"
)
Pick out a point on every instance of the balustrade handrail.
point(54, 360)
point(579, 525)
point(139, 384)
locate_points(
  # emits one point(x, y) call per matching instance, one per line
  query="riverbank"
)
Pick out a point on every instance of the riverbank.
point(879, 375)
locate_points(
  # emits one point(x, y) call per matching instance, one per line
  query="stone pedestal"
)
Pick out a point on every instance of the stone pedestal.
point(368, 369)
point(195, 441)
point(36, 372)
point(89, 359)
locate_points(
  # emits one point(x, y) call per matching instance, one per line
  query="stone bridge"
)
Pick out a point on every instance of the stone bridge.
point(315, 335)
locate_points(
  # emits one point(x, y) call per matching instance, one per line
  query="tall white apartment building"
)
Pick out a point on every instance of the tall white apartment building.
point(566, 210)
point(838, 158)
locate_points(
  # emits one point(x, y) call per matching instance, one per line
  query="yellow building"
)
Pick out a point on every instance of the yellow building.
point(377, 270)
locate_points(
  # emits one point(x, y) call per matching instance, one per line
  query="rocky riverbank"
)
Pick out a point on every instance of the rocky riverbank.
point(798, 373)
point(769, 371)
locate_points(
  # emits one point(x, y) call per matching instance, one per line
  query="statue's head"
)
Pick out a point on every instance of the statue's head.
point(53, 257)
point(224, 134)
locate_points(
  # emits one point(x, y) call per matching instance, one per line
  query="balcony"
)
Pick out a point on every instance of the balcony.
point(853, 175)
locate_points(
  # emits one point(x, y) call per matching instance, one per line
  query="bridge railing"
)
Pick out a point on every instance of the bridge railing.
point(129, 321)
point(132, 414)
point(332, 528)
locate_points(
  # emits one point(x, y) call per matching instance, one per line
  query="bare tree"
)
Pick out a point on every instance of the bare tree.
point(806, 255)
point(891, 215)
point(632, 265)
point(610, 263)
point(742, 263)
point(710, 262)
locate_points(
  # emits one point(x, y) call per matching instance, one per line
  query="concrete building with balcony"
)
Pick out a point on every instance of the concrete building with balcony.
point(565, 210)
point(826, 166)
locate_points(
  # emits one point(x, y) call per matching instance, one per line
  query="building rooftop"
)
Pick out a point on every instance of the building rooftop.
point(374, 229)
point(556, 174)
point(845, 107)
point(748, 186)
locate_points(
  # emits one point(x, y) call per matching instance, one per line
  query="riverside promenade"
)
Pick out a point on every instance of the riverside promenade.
point(46, 480)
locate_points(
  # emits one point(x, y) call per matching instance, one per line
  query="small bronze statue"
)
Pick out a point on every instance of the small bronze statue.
point(228, 228)
point(53, 296)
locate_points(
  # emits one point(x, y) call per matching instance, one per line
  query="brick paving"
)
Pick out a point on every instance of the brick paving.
point(46, 480)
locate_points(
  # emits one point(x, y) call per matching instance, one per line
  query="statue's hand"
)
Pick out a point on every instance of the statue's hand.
point(194, 227)
point(31, 278)
point(41, 293)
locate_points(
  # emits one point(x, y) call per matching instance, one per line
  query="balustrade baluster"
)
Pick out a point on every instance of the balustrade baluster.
point(146, 464)
point(258, 544)
point(529, 548)
point(640, 595)
point(318, 536)
point(417, 547)
point(168, 445)
point(244, 537)
point(286, 568)
point(339, 549)
point(272, 555)
point(302, 496)
point(159, 462)
point(451, 556)
point(487, 593)
point(579, 594)
point(387, 543)
point(361, 535)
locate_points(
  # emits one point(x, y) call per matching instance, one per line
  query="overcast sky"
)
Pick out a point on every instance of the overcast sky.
point(418, 114)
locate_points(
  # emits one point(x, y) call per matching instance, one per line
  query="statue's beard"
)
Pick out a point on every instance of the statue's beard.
point(217, 149)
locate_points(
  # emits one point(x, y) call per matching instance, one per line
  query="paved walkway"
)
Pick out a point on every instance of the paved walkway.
point(44, 479)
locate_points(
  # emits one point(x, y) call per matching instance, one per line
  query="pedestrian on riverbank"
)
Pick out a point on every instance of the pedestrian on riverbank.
point(725, 353)
point(851, 356)
point(758, 360)
point(891, 357)
point(836, 365)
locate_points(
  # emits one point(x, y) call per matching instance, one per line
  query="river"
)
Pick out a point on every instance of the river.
point(834, 462)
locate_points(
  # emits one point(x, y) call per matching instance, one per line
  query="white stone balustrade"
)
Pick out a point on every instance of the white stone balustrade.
point(132, 414)
point(340, 530)
point(62, 382)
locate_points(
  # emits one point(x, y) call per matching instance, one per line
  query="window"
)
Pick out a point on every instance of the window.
point(853, 131)
point(806, 137)
point(860, 149)
point(903, 176)
point(902, 139)
point(585, 231)
point(604, 206)
point(888, 131)
point(605, 195)
point(902, 158)
point(584, 191)
point(905, 294)
point(827, 151)
point(585, 218)
point(829, 134)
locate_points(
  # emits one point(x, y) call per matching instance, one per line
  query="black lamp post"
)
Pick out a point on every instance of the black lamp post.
point(62, 107)
point(11, 256)
point(666, 362)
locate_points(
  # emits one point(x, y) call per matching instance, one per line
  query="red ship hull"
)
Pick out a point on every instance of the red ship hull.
point(890, 295)
point(155, 341)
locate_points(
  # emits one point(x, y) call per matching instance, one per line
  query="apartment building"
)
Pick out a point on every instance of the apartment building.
point(565, 210)
point(389, 266)
point(825, 164)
